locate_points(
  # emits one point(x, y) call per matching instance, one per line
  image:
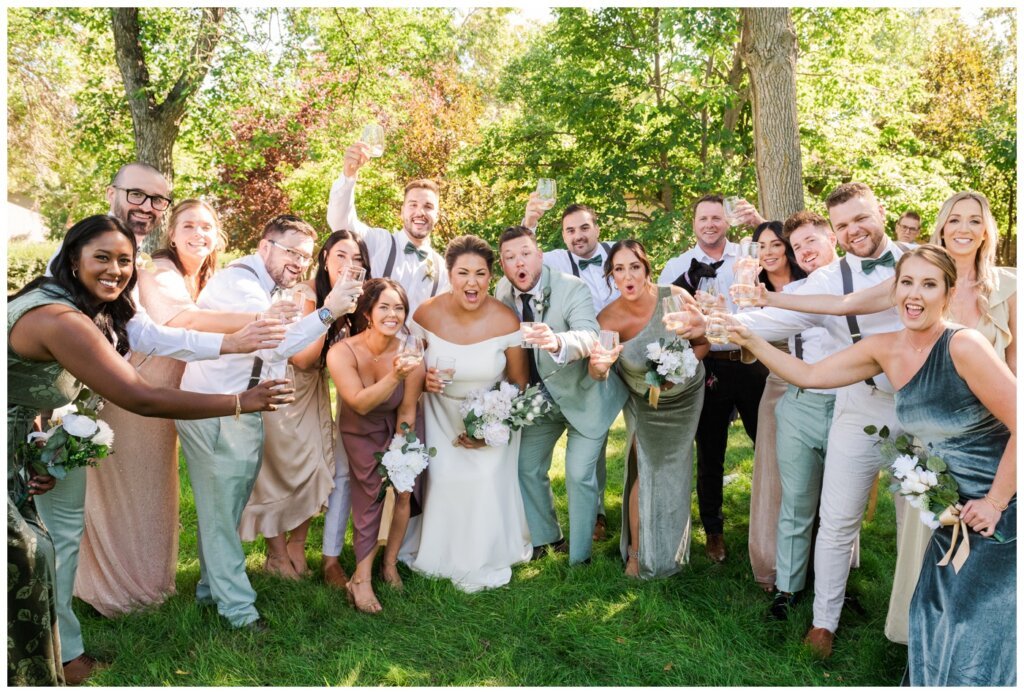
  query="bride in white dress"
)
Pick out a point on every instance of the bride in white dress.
point(473, 525)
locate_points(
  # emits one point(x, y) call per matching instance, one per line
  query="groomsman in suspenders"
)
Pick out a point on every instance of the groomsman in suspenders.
point(584, 257)
point(406, 255)
point(224, 454)
point(852, 461)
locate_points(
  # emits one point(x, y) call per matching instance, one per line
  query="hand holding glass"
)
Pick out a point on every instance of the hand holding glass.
point(709, 295)
point(716, 332)
point(352, 273)
point(445, 369)
point(525, 330)
point(546, 191)
point(745, 271)
point(730, 203)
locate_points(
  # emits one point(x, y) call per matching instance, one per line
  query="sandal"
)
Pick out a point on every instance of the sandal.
point(394, 581)
point(633, 558)
point(371, 606)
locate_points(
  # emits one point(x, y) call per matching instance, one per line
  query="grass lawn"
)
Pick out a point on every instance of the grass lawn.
point(552, 625)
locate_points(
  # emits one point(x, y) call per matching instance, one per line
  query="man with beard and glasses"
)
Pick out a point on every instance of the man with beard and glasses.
point(406, 255)
point(224, 454)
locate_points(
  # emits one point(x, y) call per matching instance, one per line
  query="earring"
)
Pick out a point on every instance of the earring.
point(74, 272)
point(172, 246)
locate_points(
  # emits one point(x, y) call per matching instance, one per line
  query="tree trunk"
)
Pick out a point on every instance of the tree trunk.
point(769, 49)
point(155, 124)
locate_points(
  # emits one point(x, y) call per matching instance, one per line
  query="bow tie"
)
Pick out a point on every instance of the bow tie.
point(587, 262)
point(409, 248)
point(868, 264)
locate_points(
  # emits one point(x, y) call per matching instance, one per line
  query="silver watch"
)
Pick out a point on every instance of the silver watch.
point(325, 315)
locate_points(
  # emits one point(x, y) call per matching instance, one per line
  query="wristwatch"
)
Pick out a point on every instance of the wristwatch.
point(325, 315)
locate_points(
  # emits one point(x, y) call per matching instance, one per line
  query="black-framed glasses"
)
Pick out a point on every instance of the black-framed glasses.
point(297, 256)
point(139, 197)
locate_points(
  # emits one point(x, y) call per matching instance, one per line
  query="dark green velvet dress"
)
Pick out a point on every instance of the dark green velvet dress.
point(963, 626)
point(33, 646)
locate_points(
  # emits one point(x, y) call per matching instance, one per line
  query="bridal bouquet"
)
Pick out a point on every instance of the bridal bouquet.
point(77, 438)
point(404, 459)
point(492, 415)
point(927, 485)
point(673, 362)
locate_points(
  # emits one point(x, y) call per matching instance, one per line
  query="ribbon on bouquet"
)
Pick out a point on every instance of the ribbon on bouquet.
point(951, 516)
point(653, 393)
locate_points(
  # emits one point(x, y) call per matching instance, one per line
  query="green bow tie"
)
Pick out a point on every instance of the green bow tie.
point(409, 248)
point(596, 260)
point(868, 265)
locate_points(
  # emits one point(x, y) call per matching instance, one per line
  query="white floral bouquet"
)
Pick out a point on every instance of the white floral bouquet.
point(925, 482)
point(77, 438)
point(403, 461)
point(492, 415)
point(672, 362)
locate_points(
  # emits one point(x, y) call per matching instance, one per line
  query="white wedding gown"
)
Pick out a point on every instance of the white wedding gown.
point(473, 527)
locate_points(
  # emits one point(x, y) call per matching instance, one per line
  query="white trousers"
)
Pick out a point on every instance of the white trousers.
point(851, 466)
point(339, 503)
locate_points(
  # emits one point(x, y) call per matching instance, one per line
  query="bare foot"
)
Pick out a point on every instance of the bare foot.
point(390, 574)
point(361, 597)
point(297, 555)
point(334, 575)
point(632, 563)
point(280, 567)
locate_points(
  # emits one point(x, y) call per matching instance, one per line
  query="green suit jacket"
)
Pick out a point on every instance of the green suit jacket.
point(567, 307)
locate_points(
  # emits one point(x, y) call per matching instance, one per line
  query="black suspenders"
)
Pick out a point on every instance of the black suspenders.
point(851, 320)
point(390, 265)
point(257, 362)
point(576, 268)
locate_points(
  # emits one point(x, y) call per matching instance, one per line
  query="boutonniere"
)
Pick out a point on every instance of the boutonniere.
point(541, 304)
point(430, 270)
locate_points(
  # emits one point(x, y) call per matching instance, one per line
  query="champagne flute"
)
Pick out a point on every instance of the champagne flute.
point(373, 135)
point(546, 191)
point(730, 203)
point(445, 369)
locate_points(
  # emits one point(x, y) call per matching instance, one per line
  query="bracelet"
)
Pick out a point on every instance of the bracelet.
point(996, 503)
point(238, 406)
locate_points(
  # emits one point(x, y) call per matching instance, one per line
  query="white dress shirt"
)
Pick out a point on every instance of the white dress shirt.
point(602, 289)
point(416, 276)
point(681, 263)
point(147, 337)
point(778, 324)
point(238, 290)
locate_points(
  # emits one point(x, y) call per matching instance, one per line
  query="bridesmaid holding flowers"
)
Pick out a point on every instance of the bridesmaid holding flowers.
point(378, 386)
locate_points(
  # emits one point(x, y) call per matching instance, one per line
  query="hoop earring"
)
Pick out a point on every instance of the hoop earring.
point(171, 245)
point(74, 272)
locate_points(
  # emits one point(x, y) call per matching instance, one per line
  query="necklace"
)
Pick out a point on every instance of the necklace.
point(376, 357)
point(931, 341)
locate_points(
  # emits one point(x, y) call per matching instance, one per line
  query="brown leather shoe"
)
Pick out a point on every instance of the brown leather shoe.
point(335, 576)
point(600, 528)
point(715, 548)
point(819, 640)
point(80, 669)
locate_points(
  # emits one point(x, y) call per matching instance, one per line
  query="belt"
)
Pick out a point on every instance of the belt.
point(725, 354)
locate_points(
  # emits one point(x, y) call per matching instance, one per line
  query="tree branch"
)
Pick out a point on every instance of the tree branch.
point(198, 64)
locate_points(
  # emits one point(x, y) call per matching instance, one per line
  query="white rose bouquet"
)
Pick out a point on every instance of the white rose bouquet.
point(672, 362)
point(492, 415)
point(403, 461)
point(927, 485)
point(77, 438)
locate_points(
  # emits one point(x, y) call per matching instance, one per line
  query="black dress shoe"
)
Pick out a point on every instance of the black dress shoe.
point(541, 551)
point(780, 605)
point(259, 626)
point(850, 602)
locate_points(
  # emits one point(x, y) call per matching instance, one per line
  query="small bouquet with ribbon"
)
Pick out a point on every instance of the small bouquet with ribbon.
point(77, 438)
point(928, 486)
point(492, 415)
point(671, 362)
point(404, 459)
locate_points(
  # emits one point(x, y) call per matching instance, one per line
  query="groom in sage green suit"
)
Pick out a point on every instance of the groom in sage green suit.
point(565, 327)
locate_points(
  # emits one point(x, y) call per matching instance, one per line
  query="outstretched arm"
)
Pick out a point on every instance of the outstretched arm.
point(341, 204)
point(870, 300)
point(853, 364)
point(992, 383)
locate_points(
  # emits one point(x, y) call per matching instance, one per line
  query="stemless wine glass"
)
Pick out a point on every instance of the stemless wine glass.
point(745, 271)
point(289, 373)
point(709, 295)
point(445, 369)
point(525, 328)
point(546, 191)
point(730, 204)
point(373, 135)
point(410, 348)
point(715, 331)
point(353, 272)
point(609, 339)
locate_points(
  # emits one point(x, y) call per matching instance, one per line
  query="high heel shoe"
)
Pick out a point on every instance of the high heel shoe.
point(633, 559)
point(371, 606)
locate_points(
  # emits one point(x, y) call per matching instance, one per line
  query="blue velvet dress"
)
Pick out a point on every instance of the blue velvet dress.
point(963, 626)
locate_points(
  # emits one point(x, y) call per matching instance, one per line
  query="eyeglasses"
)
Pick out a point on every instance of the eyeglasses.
point(299, 258)
point(138, 197)
point(904, 227)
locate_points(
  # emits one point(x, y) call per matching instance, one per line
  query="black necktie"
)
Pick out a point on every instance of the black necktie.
point(528, 318)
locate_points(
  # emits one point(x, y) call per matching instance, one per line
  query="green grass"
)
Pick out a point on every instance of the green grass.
point(552, 625)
